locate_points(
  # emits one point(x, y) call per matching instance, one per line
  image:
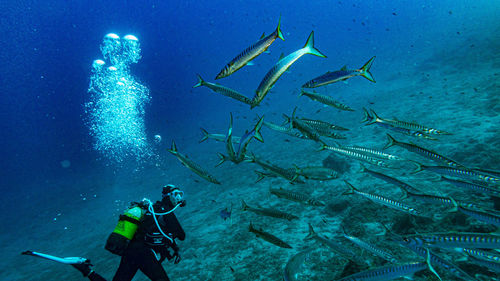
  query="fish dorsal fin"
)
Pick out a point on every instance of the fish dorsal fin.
point(263, 35)
point(281, 56)
point(344, 68)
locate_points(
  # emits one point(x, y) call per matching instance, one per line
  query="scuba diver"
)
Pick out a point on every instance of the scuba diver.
point(144, 238)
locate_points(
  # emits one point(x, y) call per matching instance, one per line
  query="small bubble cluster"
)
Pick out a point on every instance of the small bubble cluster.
point(115, 111)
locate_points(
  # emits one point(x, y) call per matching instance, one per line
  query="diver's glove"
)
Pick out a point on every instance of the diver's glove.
point(84, 268)
point(176, 255)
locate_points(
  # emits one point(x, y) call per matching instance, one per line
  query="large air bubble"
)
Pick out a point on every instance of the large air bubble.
point(115, 111)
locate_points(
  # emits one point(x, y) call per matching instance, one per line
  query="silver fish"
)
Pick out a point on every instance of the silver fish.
point(370, 248)
point(481, 188)
point(320, 125)
point(421, 151)
point(268, 237)
point(289, 174)
point(281, 66)
point(217, 137)
point(406, 125)
point(455, 240)
point(317, 173)
point(223, 90)
point(388, 179)
point(341, 75)
point(292, 267)
point(190, 164)
point(295, 196)
point(251, 52)
point(268, 212)
point(393, 204)
point(355, 155)
point(458, 172)
point(327, 100)
point(338, 248)
point(372, 120)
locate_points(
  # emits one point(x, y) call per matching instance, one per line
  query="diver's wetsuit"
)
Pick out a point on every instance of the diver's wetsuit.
point(148, 248)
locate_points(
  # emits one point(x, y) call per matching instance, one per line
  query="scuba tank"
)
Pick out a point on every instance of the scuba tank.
point(125, 230)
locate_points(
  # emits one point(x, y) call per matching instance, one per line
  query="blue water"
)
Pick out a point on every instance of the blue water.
point(423, 48)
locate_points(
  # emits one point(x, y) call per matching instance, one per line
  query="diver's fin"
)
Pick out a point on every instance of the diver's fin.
point(67, 260)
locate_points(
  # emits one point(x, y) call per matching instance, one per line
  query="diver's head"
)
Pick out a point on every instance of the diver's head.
point(174, 194)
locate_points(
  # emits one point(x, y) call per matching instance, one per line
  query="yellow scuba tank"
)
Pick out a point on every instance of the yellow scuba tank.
point(125, 230)
point(129, 222)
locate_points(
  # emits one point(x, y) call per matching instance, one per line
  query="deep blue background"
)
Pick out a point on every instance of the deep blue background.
point(47, 48)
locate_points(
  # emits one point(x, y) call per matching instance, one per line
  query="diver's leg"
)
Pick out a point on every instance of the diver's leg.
point(86, 270)
point(151, 267)
point(128, 265)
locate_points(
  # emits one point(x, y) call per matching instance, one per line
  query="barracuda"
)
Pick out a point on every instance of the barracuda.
point(295, 196)
point(406, 125)
point(370, 248)
point(338, 248)
point(389, 179)
point(341, 75)
point(485, 255)
point(455, 240)
point(251, 52)
point(371, 120)
point(268, 212)
point(473, 186)
point(458, 172)
point(223, 90)
point(281, 66)
point(217, 137)
point(355, 155)
point(383, 201)
point(317, 173)
point(374, 152)
point(190, 164)
point(289, 130)
point(327, 100)
point(289, 174)
point(437, 260)
point(322, 125)
point(386, 273)
point(484, 216)
point(268, 237)
point(303, 127)
point(421, 151)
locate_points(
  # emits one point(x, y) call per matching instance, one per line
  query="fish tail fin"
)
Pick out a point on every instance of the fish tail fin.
point(311, 234)
point(351, 188)
point(258, 126)
point(406, 193)
point(455, 205)
point(230, 130)
point(367, 117)
point(310, 46)
point(205, 135)
point(222, 159)
point(200, 83)
point(374, 115)
point(244, 205)
point(260, 175)
point(390, 141)
point(419, 167)
point(278, 30)
point(301, 92)
point(428, 261)
point(365, 70)
point(173, 148)
point(287, 118)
